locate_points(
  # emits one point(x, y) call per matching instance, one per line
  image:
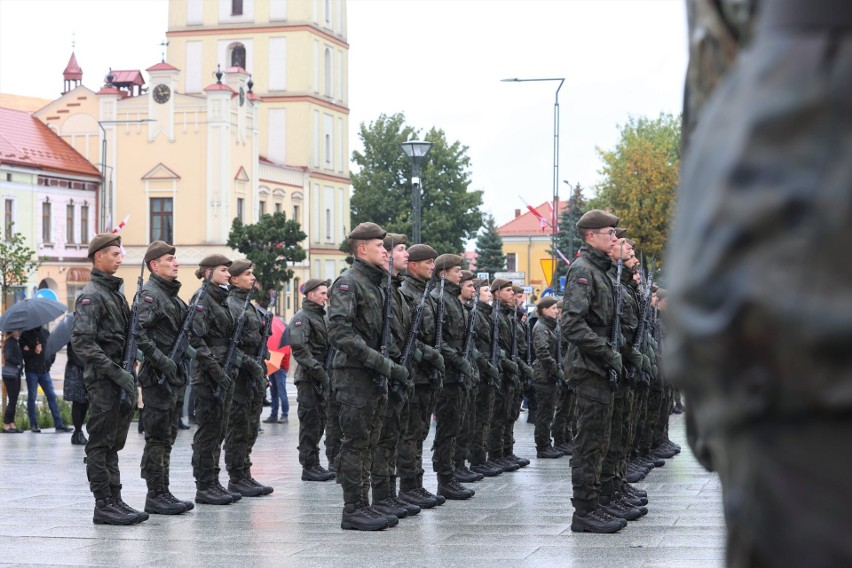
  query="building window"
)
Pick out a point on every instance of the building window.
point(327, 11)
point(238, 55)
point(236, 7)
point(161, 219)
point(46, 222)
point(278, 208)
point(328, 87)
point(69, 223)
point(8, 218)
point(84, 224)
point(328, 149)
point(261, 209)
point(328, 224)
point(296, 214)
point(511, 262)
point(240, 202)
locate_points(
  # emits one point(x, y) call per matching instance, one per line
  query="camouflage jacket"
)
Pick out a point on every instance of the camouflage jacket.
point(98, 335)
point(544, 344)
point(412, 290)
point(453, 328)
point(484, 337)
point(161, 315)
point(309, 342)
point(211, 333)
point(355, 317)
point(249, 342)
point(587, 316)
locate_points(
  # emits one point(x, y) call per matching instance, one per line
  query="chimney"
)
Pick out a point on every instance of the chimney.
point(517, 213)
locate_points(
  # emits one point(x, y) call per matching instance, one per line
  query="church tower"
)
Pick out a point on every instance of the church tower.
point(295, 53)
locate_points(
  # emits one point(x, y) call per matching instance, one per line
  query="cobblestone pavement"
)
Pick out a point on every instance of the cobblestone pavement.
point(520, 518)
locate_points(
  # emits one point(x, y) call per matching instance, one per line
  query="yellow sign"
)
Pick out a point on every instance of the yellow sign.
point(548, 266)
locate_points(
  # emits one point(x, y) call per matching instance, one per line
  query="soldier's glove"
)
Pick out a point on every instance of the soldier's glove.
point(238, 360)
point(190, 352)
point(385, 367)
point(127, 384)
point(613, 360)
point(168, 368)
point(646, 363)
point(220, 378)
point(635, 358)
point(252, 368)
point(436, 360)
point(323, 380)
point(491, 371)
point(464, 367)
point(510, 366)
point(560, 375)
point(526, 371)
point(418, 355)
point(399, 373)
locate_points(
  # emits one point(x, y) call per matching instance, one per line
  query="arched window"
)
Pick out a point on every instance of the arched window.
point(238, 55)
point(327, 68)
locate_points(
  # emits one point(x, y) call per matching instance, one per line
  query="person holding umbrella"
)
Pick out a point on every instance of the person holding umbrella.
point(13, 362)
point(37, 371)
point(98, 336)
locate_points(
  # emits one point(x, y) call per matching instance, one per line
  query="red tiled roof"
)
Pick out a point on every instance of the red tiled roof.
point(26, 141)
point(131, 76)
point(162, 66)
point(528, 224)
point(109, 91)
point(72, 70)
point(219, 87)
point(237, 69)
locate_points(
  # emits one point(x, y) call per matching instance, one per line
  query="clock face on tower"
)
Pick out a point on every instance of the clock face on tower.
point(162, 93)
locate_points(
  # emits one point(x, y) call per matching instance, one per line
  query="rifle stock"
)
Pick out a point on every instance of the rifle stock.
point(231, 355)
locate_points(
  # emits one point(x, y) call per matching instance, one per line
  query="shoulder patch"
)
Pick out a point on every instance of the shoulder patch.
point(344, 288)
point(582, 281)
point(199, 308)
point(148, 299)
point(85, 302)
point(297, 323)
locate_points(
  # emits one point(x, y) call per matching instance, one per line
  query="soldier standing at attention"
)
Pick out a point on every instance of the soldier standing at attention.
point(213, 388)
point(587, 318)
point(161, 316)
point(249, 385)
point(546, 376)
point(504, 301)
point(98, 338)
point(309, 344)
point(361, 373)
point(448, 405)
point(524, 375)
point(421, 403)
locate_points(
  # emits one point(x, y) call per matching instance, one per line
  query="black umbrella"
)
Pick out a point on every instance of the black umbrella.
point(60, 336)
point(31, 313)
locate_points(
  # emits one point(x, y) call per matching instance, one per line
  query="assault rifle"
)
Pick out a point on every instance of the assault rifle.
point(495, 340)
point(182, 340)
point(231, 355)
point(469, 337)
point(129, 358)
point(639, 339)
point(616, 320)
point(387, 316)
point(439, 329)
point(559, 384)
point(267, 331)
point(414, 330)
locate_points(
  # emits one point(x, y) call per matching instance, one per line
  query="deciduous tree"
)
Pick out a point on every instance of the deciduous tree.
point(17, 263)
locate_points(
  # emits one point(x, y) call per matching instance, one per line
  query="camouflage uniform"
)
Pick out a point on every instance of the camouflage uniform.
point(213, 390)
point(248, 390)
point(515, 396)
point(469, 395)
point(161, 315)
point(309, 344)
point(489, 378)
point(98, 336)
point(504, 397)
point(545, 378)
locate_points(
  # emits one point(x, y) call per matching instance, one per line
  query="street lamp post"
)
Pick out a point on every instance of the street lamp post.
point(555, 196)
point(416, 151)
point(104, 164)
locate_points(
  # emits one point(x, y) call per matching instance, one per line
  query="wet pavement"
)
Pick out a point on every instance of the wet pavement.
point(518, 518)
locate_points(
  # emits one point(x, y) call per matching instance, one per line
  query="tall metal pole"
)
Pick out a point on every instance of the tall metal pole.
point(415, 201)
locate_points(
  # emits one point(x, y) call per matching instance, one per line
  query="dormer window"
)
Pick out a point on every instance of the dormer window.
point(238, 53)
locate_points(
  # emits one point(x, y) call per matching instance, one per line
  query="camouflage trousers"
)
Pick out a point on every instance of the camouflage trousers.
point(243, 425)
point(484, 416)
point(362, 409)
point(332, 430)
point(640, 411)
point(514, 398)
point(212, 416)
point(421, 403)
point(545, 396)
point(652, 415)
point(468, 426)
point(591, 443)
point(499, 420)
point(385, 455)
point(565, 419)
point(107, 429)
point(160, 419)
point(312, 419)
point(448, 416)
point(613, 467)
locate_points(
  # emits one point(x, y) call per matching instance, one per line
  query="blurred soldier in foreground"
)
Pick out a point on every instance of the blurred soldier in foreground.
point(759, 322)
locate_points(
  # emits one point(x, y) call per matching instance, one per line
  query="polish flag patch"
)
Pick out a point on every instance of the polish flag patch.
point(582, 281)
point(344, 288)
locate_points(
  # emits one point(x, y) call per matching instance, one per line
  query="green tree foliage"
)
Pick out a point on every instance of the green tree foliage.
point(450, 212)
point(17, 263)
point(489, 249)
point(567, 238)
point(640, 177)
point(271, 244)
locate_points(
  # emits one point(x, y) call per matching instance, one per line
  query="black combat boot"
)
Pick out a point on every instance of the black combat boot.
point(612, 505)
point(414, 497)
point(587, 519)
point(244, 487)
point(486, 470)
point(522, 462)
point(264, 489)
point(507, 464)
point(567, 448)
point(211, 495)
point(464, 475)
point(452, 489)
point(107, 512)
point(388, 506)
point(634, 491)
point(316, 473)
point(548, 453)
point(161, 502)
point(633, 501)
point(357, 516)
point(115, 490)
point(234, 495)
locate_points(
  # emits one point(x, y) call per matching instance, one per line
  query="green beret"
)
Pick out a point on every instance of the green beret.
point(211, 261)
point(467, 275)
point(517, 289)
point(239, 266)
point(446, 261)
point(546, 302)
point(421, 252)
point(499, 284)
point(313, 284)
point(102, 241)
point(393, 239)
point(156, 250)
point(596, 219)
point(367, 231)
point(630, 242)
point(479, 282)
point(620, 232)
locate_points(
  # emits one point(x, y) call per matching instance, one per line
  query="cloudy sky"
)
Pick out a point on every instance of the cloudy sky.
point(438, 61)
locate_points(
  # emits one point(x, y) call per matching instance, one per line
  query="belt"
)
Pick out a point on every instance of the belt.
point(805, 14)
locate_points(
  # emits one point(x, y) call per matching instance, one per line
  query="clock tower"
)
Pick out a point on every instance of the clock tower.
point(161, 100)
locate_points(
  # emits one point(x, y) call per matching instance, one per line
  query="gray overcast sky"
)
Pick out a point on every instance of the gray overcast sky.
point(438, 61)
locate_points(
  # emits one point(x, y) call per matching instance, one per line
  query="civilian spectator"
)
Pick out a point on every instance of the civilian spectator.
point(37, 370)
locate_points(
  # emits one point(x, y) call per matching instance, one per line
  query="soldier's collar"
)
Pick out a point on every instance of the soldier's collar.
point(111, 281)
